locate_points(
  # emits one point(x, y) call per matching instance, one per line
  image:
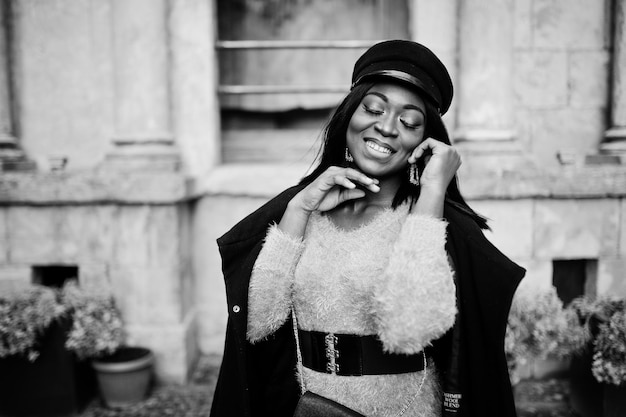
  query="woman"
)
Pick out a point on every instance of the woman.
point(400, 300)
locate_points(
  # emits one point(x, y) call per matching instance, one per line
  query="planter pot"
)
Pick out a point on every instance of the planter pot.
point(55, 384)
point(124, 377)
point(586, 394)
point(590, 398)
point(614, 400)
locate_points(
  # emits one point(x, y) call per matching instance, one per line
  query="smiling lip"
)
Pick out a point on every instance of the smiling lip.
point(378, 146)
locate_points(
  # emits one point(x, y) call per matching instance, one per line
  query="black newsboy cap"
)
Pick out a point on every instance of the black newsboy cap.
point(409, 62)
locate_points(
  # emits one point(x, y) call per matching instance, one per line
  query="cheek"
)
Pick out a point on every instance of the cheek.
point(358, 123)
point(411, 142)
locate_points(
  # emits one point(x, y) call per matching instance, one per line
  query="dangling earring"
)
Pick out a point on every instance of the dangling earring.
point(413, 175)
point(348, 156)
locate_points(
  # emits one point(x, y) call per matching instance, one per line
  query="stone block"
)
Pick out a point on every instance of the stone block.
point(434, 24)
point(540, 79)
point(193, 69)
point(213, 216)
point(147, 295)
point(131, 228)
point(511, 225)
point(538, 274)
point(569, 24)
point(588, 78)
point(523, 127)
point(249, 179)
point(70, 40)
point(622, 229)
point(4, 237)
point(31, 234)
point(522, 30)
point(174, 348)
point(86, 187)
point(576, 229)
point(164, 236)
point(575, 131)
point(147, 235)
point(212, 333)
point(15, 274)
point(611, 279)
point(94, 275)
point(85, 234)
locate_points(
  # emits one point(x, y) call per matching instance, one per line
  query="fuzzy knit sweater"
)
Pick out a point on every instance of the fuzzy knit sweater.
point(390, 278)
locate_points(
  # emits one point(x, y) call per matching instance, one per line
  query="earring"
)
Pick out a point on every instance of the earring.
point(414, 175)
point(348, 156)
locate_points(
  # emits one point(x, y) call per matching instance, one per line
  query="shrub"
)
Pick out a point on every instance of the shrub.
point(539, 328)
point(96, 324)
point(97, 327)
point(24, 316)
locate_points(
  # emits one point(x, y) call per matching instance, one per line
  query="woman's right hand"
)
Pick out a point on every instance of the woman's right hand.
point(333, 187)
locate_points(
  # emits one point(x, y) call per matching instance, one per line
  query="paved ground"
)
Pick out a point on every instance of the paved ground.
point(547, 398)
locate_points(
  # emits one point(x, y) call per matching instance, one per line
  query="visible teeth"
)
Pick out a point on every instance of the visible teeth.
point(377, 147)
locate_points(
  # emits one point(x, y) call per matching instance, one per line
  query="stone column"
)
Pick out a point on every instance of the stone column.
point(143, 126)
point(615, 136)
point(485, 99)
point(434, 24)
point(12, 158)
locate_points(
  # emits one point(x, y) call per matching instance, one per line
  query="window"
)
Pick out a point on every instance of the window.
point(574, 277)
point(285, 64)
point(54, 275)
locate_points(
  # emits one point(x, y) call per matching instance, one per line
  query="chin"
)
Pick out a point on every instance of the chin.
point(377, 171)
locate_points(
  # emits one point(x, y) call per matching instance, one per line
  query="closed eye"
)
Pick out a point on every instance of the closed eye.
point(372, 110)
point(410, 125)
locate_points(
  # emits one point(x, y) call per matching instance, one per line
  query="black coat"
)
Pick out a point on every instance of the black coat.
point(259, 379)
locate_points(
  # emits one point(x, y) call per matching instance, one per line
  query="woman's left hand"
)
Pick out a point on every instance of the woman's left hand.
point(440, 164)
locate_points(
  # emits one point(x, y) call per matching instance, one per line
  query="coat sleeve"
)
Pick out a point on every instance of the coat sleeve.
point(415, 302)
point(271, 284)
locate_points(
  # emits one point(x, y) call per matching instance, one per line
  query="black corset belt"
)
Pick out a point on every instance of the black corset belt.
point(353, 355)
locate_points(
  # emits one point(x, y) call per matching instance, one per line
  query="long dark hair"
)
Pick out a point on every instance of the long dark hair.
point(332, 151)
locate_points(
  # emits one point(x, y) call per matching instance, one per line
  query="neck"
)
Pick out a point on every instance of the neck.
point(384, 198)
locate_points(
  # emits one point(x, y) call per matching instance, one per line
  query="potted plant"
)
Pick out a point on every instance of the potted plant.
point(540, 331)
point(38, 376)
point(598, 371)
point(24, 316)
point(49, 340)
point(124, 373)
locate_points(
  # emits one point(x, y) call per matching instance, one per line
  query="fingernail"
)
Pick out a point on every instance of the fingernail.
point(375, 188)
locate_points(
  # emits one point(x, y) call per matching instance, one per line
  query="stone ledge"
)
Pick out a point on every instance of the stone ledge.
point(267, 180)
point(248, 180)
point(91, 187)
point(580, 182)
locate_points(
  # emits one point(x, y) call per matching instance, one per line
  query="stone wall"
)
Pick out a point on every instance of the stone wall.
point(535, 79)
point(72, 95)
point(560, 75)
point(535, 218)
point(134, 243)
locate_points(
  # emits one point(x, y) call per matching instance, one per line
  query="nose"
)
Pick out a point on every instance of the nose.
point(386, 126)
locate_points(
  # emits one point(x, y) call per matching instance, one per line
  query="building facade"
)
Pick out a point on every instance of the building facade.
point(133, 133)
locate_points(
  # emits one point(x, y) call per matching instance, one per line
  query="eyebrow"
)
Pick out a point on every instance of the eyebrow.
point(406, 106)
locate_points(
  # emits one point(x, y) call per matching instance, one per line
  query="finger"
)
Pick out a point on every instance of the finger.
point(343, 181)
point(419, 151)
point(373, 187)
point(360, 177)
point(368, 182)
point(351, 195)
